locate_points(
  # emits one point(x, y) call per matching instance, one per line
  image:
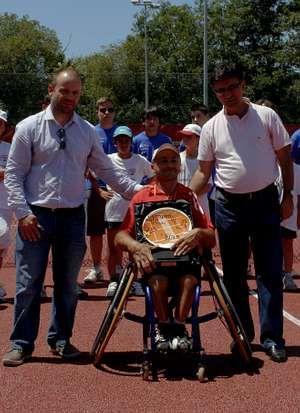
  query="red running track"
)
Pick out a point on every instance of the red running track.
point(46, 384)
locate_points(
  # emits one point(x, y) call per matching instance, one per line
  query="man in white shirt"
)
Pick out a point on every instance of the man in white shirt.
point(245, 142)
point(45, 179)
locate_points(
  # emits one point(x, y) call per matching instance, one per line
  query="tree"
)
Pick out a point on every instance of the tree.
point(28, 53)
point(260, 35)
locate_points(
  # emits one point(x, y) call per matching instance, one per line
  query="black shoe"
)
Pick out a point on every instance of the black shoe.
point(65, 351)
point(81, 294)
point(277, 354)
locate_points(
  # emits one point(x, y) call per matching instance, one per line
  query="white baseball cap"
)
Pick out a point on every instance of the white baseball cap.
point(164, 147)
point(190, 129)
point(3, 115)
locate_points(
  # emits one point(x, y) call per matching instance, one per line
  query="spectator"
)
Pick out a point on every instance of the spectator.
point(136, 167)
point(246, 142)
point(5, 211)
point(199, 113)
point(98, 193)
point(290, 225)
point(146, 142)
point(45, 177)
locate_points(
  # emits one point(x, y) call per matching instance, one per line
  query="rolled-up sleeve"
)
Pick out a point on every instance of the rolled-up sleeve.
point(104, 169)
point(18, 165)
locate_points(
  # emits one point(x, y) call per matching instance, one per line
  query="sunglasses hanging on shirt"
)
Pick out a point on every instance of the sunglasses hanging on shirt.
point(61, 133)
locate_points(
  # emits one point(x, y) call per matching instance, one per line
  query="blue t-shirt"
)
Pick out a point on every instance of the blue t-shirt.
point(106, 138)
point(145, 146)
point(295, 139)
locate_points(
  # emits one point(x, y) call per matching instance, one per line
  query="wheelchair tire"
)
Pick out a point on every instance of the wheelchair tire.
point(229, 313)
point(113, 315)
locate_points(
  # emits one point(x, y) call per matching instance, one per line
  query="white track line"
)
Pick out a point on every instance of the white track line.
point(287, 315)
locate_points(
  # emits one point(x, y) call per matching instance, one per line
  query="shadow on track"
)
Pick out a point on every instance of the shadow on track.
point(84, 359)
point(128, 363)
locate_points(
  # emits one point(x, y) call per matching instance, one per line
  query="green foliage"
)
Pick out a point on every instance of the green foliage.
point(259, 34)
point(28, 52)
point(262, 35)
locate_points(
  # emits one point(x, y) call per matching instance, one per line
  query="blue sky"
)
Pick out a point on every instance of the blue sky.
point(83, 26)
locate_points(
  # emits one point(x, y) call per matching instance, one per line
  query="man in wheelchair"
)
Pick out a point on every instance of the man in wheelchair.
point(161, 275)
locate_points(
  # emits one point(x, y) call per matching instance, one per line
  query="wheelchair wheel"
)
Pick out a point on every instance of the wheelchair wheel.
point(113, 315)
point(228, 312)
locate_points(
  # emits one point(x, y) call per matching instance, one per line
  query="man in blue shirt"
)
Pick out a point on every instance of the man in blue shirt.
point(98, 193)
point(45, 179)
point(151, 138)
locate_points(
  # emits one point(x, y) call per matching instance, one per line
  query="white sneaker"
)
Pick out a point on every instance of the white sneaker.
point(111, 289)
point(93, 276)
point(137, 289)
point(288, 282)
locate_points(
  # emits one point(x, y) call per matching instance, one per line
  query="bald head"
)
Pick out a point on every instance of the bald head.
point(66, 73)
point(64, 91)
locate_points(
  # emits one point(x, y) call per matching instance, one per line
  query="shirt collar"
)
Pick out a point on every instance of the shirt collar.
point(49, 116)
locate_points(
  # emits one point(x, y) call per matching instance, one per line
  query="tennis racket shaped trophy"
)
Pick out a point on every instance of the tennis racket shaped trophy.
point(161, 224)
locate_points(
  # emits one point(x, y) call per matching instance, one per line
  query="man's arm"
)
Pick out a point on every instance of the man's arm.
point(286, 165)
point(17, 168)
point(140, 253)
point(200, 178)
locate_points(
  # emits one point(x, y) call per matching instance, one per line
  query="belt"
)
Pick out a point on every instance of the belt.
point(248, 195)
point(57, 210)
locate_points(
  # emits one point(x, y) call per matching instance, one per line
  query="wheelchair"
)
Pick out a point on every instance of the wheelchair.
point(224, 309)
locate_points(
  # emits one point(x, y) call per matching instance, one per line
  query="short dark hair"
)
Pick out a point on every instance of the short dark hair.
point(197, 106)
point(152, 111)
point(225, 71)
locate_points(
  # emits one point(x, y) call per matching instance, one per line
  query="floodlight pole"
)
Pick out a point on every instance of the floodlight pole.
point(146, 4)
point(205, 71)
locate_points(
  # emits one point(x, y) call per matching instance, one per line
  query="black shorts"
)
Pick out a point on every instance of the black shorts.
point(95, 215)
point(288, 233)
point(177, 271)
point(113, 225)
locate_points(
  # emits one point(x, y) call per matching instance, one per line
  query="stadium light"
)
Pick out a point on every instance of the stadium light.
point(153, 5)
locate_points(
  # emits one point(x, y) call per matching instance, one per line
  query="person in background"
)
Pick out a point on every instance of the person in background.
point(246, 142)
point(288, 227)
point(5, 211)
point(199, 113)
point(136, 167)
point(151, 138)
point(98, 193)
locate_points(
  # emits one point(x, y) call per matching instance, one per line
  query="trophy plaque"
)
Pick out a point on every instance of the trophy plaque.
point(161, 224)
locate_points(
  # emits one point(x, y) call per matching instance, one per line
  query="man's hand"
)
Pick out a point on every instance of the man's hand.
point(187, 242)
point(29, 228)
point(143, 258)
point(287, 206)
